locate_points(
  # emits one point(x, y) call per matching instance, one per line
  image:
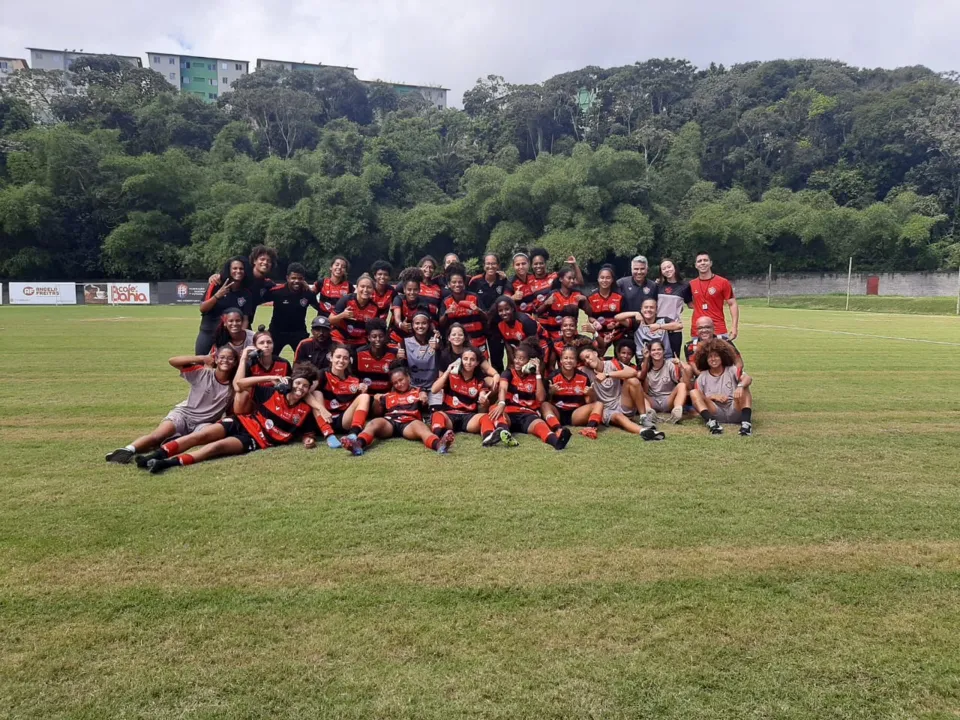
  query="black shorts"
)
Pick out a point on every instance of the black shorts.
point(336, 422)
point(398, 426)
point(521, 422)
point(460, 421)
point(566, 416)
point(235, 429)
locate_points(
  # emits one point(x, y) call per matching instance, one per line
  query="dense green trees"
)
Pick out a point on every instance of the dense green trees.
point(107, 171)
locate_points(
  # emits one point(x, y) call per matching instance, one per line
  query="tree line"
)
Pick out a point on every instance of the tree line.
point(107, 171)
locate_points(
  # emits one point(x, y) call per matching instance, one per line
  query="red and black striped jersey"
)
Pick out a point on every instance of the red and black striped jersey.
point(407, 311)
point(329, 292)
point(353, 330)
point(552, 309)
point(375, 371)
point(338, 392)
point(467, 312)
point(402, 407)
point(280, 367)
point(605, 309)
point(431, 290)
point(522, 327)
point(528, 296)
point(460, 395)
point(521, 392)
point(541, 288)
point(569, 394)
point(384, 300)
point(274, 421)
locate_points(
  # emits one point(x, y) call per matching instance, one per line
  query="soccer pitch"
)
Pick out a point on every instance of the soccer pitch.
point(812, 571)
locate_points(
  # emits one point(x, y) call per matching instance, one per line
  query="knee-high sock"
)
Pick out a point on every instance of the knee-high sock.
point(553, 423)
point(359, 420)
point(486, 425)
point(437, 423)
point(431, 441)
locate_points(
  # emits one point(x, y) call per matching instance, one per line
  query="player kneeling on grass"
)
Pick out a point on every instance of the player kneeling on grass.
point(522, 394)
point(466, 398)
point(571, 401)
point(401, 418)
point(211, 390)
point(722, 392)
point(608, 379)
point(280, 414)
point(664, 382)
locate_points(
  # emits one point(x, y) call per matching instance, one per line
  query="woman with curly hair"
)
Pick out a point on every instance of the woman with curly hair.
point(721, 393)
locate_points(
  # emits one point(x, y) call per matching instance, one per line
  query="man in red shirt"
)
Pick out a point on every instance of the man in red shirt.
point(707, 294)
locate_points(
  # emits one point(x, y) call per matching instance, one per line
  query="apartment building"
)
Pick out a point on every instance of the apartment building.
point(435, 95)
point(45, 59)
point(205, 77)
point(11, 65)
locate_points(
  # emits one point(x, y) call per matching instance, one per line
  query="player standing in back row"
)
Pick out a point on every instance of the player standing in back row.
point(707, 294)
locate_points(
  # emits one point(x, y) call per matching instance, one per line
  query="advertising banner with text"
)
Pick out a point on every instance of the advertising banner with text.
point(181, 293)
point(129, 293)
point(43, 293)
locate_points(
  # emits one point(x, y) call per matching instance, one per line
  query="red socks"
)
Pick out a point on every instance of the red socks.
point(431, 441)
point(365, 439)
point(595, 420)
point(186, 460)
point(171, 448)
point(359, 420)
point(486, 425)
point(438, 423)
point(552, 422)
point(543, 432)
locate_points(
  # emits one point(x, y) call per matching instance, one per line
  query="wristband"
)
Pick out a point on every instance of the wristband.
point(502, 403)
point(539, 377)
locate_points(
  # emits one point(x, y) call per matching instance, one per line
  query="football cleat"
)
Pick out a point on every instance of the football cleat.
point(121, 456)
point(443, 447)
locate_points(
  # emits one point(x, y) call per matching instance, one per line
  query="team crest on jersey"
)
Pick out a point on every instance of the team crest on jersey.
point(241, 302)
point(334, 403)
point(268, 424)
point(354, 388)
point(386, 367)
point(668, 291)
point(613, 306)
point(304, 302)
point(712, 291)
point(646, 291)
point(473, 392)
point(499, 289)
point(456, 402)
point(411, 398)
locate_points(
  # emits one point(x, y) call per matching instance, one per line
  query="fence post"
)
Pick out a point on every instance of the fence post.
point(769, 279)
point(849, 277)
point(958, 291)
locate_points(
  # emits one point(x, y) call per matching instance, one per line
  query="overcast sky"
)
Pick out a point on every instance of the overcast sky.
point(453, 43)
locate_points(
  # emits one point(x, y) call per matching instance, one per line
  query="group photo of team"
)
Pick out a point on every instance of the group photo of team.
point(434, 352)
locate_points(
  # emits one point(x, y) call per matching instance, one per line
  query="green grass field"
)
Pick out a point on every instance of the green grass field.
point(863, 303)
point(812, 571)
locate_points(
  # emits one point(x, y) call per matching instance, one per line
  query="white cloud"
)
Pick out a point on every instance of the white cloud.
point(434, 42)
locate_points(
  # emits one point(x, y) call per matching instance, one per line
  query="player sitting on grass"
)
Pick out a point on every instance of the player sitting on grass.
point(211, 390)
point(706, 332)
point(722, 392)
point(521, 395)
point(466, 399)
point(401, 418)
point(571, 401)
point(280, 415)
point(664, 382)
point(608, 378)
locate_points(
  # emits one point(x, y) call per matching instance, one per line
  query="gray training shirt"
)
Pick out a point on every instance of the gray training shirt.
point(208, 397)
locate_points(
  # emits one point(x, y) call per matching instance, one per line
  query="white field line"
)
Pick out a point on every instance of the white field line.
point(855, 334)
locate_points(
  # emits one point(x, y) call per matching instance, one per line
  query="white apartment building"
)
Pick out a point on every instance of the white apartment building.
point(45, 59)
